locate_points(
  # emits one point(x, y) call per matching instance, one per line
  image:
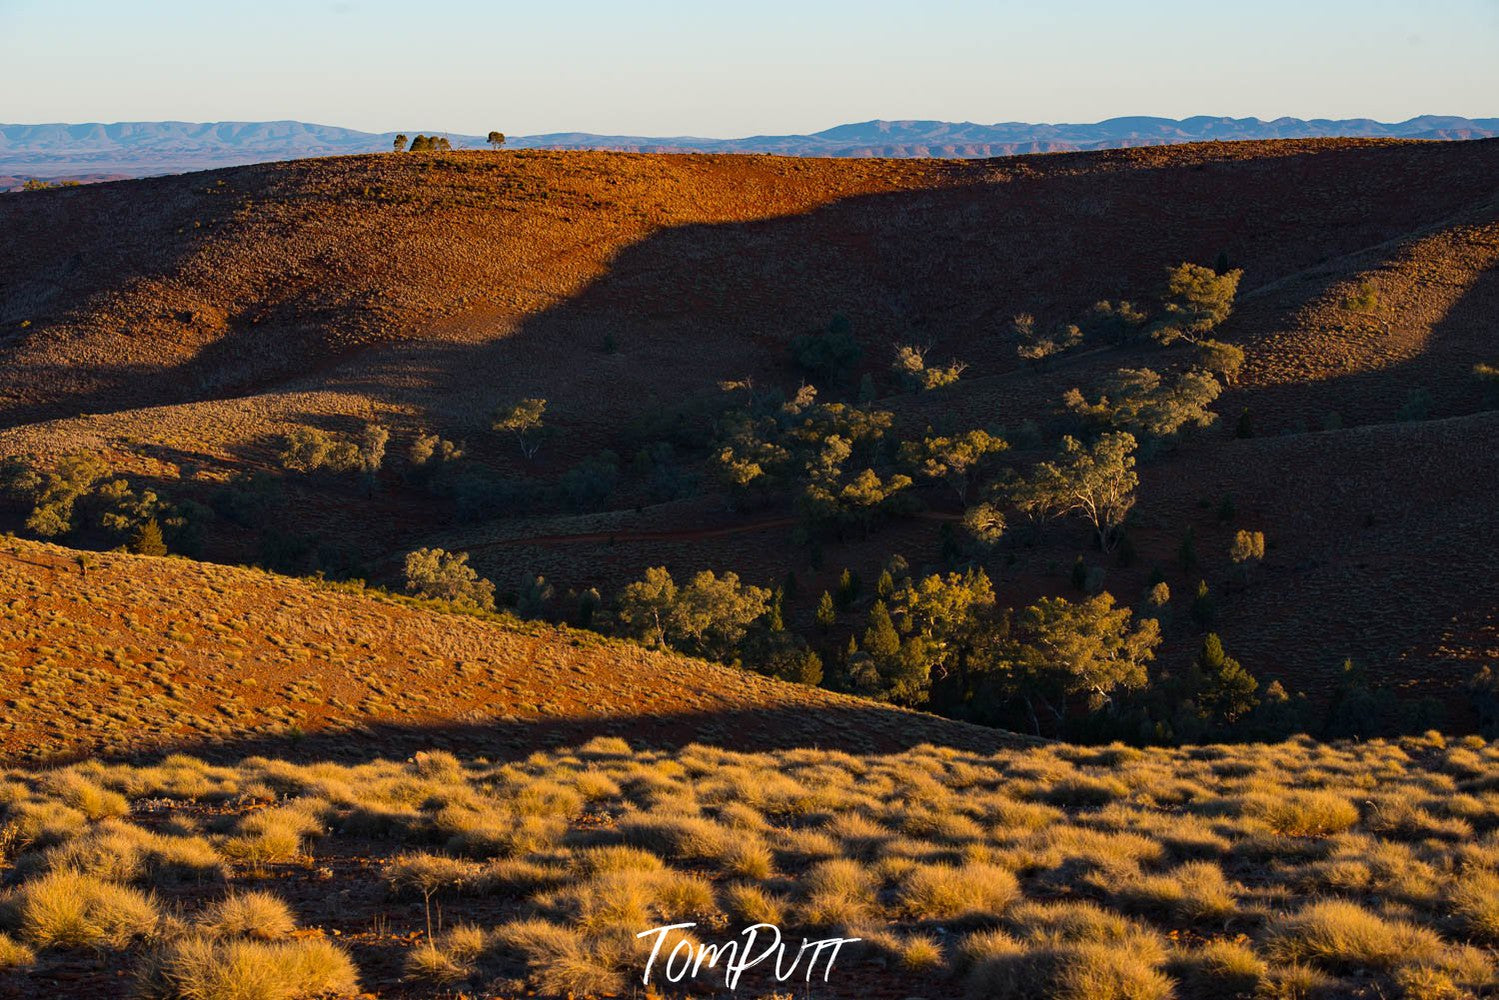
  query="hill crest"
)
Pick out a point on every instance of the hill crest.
point(59, 150)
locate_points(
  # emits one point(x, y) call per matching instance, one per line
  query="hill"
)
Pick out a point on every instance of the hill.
point(180, 328)
point(150, 148)
point(109, 654)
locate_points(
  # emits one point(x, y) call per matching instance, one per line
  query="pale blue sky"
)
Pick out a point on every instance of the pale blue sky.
point(665, 67)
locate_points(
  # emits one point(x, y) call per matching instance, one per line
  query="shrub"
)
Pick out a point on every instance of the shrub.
point(449, 957)
point(88, 798)
point(1339, 935)
point(68, 909)
point(255, 914)
point(748, 857)
point(920, 953)
point(1296, 982)
point(202, 969)
point(270, 836)
point(122, 852)
point(831, 354)
point(429, 873)
point(617, 858)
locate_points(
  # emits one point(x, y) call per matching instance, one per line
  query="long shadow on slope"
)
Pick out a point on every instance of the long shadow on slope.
point(691, 305)
point(850, 727)
point(1443, 369)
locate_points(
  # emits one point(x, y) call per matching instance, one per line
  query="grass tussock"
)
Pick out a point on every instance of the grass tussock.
point(204, 969)
point(1337, 934)
point(67, 909)
point(257, 914)
point(14, 954)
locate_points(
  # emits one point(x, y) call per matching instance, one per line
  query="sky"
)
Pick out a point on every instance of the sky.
point(710, 68)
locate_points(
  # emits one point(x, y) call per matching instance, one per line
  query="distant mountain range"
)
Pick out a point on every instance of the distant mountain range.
point(133, 149)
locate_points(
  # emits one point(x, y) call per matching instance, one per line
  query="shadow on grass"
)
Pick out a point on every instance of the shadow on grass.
point(851, 728)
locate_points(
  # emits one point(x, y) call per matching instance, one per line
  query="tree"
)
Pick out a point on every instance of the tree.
point(1202, 605)
point(308, 449)
point(1062, 650)
point(53, 493)
point(1186, 553)
point(837, 496)
point(1222, 360)
point(1141, 402)
point(1036, 347)
point(147, 540)
point(524, 420)
point(830, 354)
point(432, 451)
point(985, 524)
point(399, 145)
point(848, 588)
point(914, 375)
point(1094, 481)
point(948, 616)
point(707, 617)
point(1115, 322)
point(1159, 595)
point(1197, 300)
point(1488, 377)
point(880, 639)
point(888, 668)
point(447, 576)
point(534, 597)
point(644, 608)
point(827, 613)
point(496, 139)
point(1229, 689)
point(1247, 550)
point(953, 460)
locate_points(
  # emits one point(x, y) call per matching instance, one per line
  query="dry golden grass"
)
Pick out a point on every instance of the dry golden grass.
point(1080, 901)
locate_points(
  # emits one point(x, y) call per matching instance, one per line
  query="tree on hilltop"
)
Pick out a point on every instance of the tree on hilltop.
point(399, 145)
point(496, 139)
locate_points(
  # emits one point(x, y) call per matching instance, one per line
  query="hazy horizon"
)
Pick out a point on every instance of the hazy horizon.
point(663, 68)
point(703, 135)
